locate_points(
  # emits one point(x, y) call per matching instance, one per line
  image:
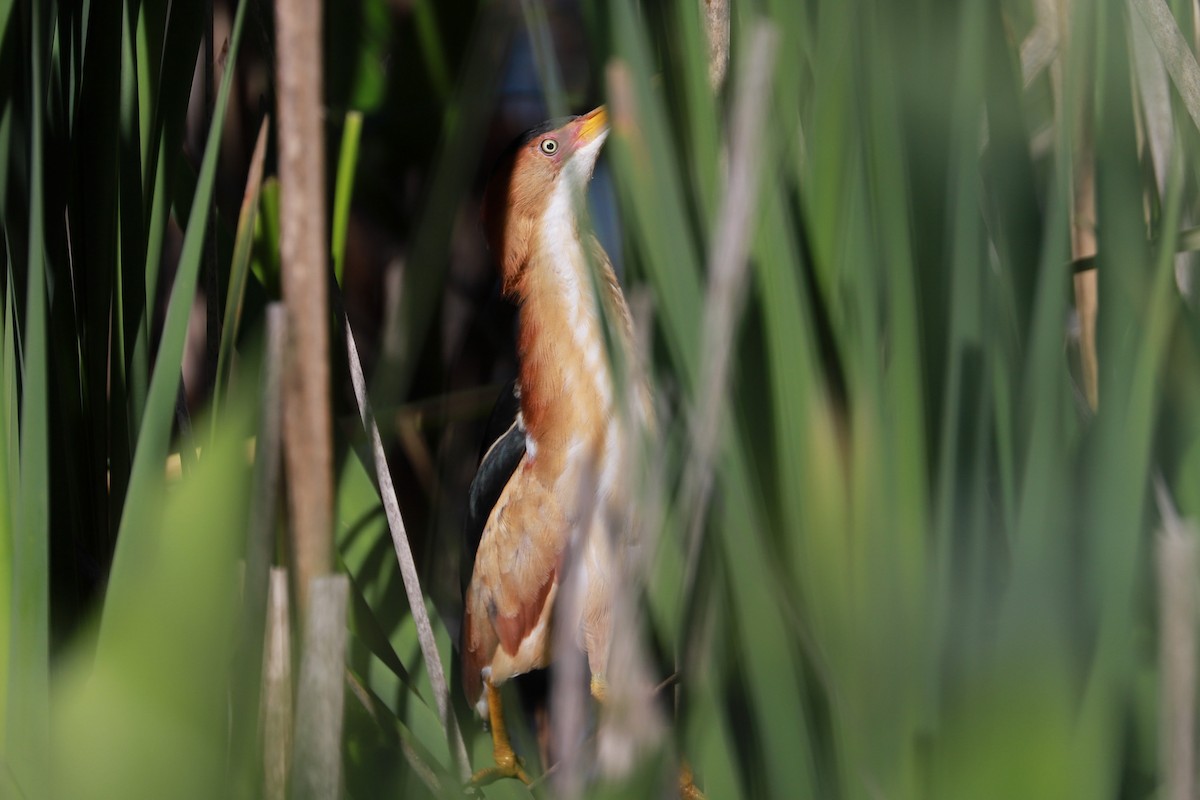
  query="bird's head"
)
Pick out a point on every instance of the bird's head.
point(557, 155)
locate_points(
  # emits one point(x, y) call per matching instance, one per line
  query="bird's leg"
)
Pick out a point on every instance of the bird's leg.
point(688, 790)
point(507, 763)
point(599, 688)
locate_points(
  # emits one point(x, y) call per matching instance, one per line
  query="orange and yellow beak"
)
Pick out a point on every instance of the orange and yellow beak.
point(590, 126)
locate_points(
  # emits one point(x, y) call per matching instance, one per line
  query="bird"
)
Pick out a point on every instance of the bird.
point(559, 434)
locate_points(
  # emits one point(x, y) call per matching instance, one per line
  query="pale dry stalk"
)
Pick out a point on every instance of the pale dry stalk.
point(1177, 561)
point(728, 270)
point(277, 689)
point(321, 693)
point(716, 26)
point(404, 557)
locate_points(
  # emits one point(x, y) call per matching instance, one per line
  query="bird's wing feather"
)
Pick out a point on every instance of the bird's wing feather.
point(504, 443)
point(505, 609)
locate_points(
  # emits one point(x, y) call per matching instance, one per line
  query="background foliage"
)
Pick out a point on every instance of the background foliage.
point(927, 569)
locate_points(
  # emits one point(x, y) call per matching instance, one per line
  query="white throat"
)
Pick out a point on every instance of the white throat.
point(561, 246)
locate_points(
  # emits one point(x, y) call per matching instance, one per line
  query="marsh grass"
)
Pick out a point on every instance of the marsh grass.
point(925, 568)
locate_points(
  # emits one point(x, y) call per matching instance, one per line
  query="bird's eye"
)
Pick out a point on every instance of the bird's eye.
point(549, 146)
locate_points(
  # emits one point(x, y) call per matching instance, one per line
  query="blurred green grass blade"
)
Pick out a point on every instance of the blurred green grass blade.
point(344, 190)
point(94, 210)
point(148, 43)
point(549, 72)
point(396, 733)
point(653, 201)
point(797, 395)
point(27, 721)
point(1038, 427)
point(372, 53)
point(129, 287)
point(249, 674)
point(902, 383)
point(266, 239)
point(370, 633)
point(364, 546)
point(8, 435)
point(966, 313)
point(135, 541)
point(430, 40)
point(6, 9)
point(793, 85)
point(961, 455)
point(1127, 440)
point(710, 743)
point(651, 191)
point(11, 421)
point(1026, 747)
point(138, 355)
point(394, 669)
point(894, 568)
point(834, 132)
point(239, 269)
point(148, 715)
point(704, 157)
point(402, 701)
point(764, 643)
point(1015, 226)
point(6, 138)
point(175, 43)
point(1128, 411)
point(386, 651)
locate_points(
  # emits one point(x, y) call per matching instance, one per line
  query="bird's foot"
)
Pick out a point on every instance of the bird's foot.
point(688, 790)
point(508, 765)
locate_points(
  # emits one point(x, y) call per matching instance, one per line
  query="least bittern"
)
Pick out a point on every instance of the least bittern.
point(566, 442)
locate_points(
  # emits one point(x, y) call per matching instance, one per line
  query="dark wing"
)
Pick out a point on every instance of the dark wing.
point(503, 448)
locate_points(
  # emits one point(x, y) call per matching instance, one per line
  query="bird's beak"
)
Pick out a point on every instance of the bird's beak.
point(591, 126)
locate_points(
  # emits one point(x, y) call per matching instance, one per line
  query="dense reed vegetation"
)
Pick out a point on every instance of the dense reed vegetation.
point(917, 292)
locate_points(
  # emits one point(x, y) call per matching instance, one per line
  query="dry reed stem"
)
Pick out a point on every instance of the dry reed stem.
point(1177, 550)
point(728, 268)
point(568, 695)
point(716, 25)
point(404, 556)
point(235, 299)
point(1083, 217)
point(1155, 93)
point(264, 504)
point(1083, 245)
point(321, 693)
point(1176, 54)
point(277, 689)
point(632, 723)
point(1040, 47)
point(304, 253)
point(266, 447)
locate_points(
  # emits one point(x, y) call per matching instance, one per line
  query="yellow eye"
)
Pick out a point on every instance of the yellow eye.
point(549, 146)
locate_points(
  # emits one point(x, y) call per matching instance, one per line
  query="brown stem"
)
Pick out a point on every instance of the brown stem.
point(304, 255)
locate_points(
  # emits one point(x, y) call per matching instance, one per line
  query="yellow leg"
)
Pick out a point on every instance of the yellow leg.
point(507, 763)
point(599, 689)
